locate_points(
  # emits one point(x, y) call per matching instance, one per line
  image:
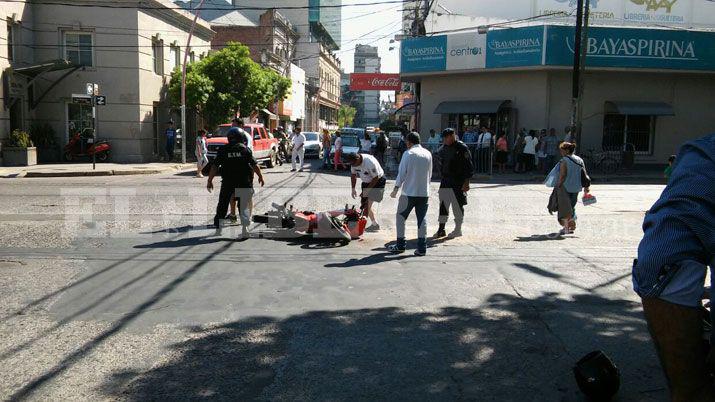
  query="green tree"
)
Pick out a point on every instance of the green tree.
point(346, 115)
point(226, 82)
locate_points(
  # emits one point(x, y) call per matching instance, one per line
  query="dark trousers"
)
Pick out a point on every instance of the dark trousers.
point(483, 160)
point(170, 148)
point(454, 198)
point(404, 209)
point(243, 199)
point(677, 333)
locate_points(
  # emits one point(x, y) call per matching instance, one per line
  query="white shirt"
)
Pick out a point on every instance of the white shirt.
point(366, 144)
point(415, 172)
point(298, 140)
point(530, 145)
point(368, 170)
point(338, 144)
point(200, 149)
point(485, 140)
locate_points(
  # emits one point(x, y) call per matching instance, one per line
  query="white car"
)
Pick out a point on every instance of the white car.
point(351, 145)
point(313, 146)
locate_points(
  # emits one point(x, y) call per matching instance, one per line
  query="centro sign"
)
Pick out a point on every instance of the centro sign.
point(466, 51)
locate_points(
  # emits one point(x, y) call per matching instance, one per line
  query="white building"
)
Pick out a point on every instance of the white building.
point(130, 52)
point(367, 102)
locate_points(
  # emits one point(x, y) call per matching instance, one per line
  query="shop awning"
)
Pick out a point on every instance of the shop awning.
point(32, 73)
point(475, 107)
point(269, 113)
point(640, 108)
point(407, 110)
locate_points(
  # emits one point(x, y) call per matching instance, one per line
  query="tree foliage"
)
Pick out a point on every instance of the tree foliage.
point(346, 115)
point(226, 82)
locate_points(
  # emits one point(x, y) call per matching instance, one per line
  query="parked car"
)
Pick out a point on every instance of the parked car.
point(313, 146)
point(265, 147)
point(351, 145)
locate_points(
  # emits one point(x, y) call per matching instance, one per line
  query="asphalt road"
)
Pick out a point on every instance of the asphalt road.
point(113, 288)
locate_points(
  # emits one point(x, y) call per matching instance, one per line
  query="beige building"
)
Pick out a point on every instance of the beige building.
point(54, 50)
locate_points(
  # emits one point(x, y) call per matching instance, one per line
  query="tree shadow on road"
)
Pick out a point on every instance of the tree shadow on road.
point(509, 349)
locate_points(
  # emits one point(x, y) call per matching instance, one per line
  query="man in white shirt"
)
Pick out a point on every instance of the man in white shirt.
point(298, 148)
point(414, 177)
point(484, 144)
point(373, 180)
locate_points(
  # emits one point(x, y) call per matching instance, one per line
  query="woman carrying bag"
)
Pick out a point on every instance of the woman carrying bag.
point(569, 177)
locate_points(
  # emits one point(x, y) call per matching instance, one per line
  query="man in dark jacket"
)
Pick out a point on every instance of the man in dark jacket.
point(237, 166)
point(457, 168)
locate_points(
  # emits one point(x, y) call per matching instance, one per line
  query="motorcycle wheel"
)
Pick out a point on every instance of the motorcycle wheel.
point(103, 156)
point(68, 156)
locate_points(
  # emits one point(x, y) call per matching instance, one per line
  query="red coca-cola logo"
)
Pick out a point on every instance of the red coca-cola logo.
point(374, 81)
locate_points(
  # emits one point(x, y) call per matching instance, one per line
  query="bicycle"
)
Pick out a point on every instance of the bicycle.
point(604, 161)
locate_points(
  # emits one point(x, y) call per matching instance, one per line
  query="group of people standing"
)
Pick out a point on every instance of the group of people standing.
point(413, 186)
point(534, 150)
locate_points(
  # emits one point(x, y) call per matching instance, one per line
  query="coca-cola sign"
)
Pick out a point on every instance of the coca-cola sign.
point(375, 82)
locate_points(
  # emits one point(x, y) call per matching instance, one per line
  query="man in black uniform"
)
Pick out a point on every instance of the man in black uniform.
point(237, 166)
point(457, 168)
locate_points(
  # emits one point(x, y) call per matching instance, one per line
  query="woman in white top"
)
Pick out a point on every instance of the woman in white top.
point(200, 152)
point(366, 144)
point(530, 142)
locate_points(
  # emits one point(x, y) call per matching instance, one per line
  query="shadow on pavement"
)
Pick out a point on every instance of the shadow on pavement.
point(509, 349)
point(307, 242)
point(373, 259)
point(184, 242)
point(540, 237)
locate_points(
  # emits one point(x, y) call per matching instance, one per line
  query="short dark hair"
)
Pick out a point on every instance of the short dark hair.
point(413, 138)
point(672, 158)
point(447, 132)
point(351, 157)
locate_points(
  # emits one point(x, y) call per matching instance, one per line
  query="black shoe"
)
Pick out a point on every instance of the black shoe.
point(419, 253)
point(292, 170)
point(440, 233)
point(395, 250)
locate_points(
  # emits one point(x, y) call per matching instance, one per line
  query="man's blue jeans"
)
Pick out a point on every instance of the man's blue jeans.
point(404, 208)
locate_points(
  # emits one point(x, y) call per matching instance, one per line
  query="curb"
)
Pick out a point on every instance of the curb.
point(96, 173)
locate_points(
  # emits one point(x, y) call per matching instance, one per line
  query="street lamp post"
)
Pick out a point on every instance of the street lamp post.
point(183, 82)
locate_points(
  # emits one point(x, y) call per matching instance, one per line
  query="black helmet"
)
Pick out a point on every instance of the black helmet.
point(447, 132)
point(597, 376)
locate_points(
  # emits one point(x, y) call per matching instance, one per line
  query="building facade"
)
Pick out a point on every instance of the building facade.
point(319, 29)
point(272, 43)
point(129, 52)
point(650, 88)
point(367, 103)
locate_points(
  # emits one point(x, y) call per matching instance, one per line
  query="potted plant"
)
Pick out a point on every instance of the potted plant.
point(43, 136)
point(18, 150)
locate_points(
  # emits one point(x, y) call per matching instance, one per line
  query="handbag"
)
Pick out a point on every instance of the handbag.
point(585, 178)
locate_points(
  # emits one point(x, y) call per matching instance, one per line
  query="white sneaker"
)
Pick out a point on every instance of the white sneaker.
point(457, 232)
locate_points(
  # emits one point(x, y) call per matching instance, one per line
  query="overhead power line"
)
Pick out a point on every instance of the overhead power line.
point(143, 6)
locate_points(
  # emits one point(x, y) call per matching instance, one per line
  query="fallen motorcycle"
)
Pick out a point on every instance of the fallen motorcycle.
point(342, 224)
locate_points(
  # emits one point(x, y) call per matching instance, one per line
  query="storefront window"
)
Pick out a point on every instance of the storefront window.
point(619, 130)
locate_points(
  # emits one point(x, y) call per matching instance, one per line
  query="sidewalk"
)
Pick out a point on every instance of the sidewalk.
point(642, 174)
point(85, 169)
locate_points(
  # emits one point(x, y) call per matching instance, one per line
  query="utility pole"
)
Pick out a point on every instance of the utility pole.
point(579, 64)
point(183, 83)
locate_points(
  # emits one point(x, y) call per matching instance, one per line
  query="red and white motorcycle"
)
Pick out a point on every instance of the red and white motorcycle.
point(342, 224)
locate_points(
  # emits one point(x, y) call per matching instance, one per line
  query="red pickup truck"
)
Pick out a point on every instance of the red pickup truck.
point(265, 147)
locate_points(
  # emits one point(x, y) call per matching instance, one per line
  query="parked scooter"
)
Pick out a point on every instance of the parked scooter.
point(83, 144)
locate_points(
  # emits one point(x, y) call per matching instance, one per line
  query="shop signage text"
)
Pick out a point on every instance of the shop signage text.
point(375, 82)
point(515, 47)
point(635, 48)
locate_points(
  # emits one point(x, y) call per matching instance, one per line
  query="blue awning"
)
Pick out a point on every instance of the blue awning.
point(640, 108)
